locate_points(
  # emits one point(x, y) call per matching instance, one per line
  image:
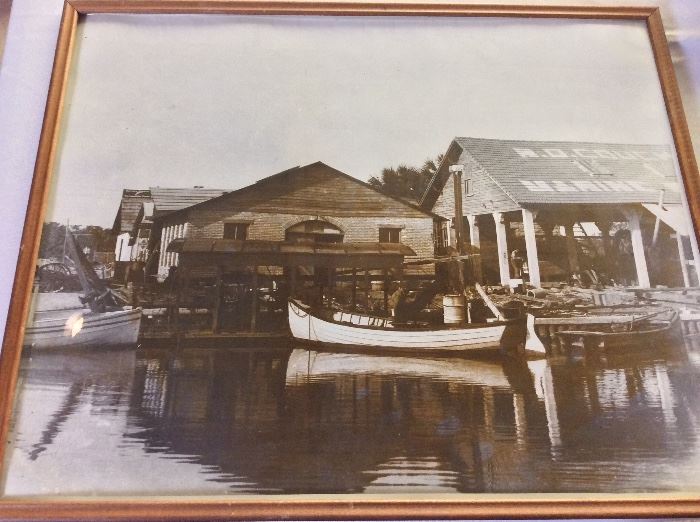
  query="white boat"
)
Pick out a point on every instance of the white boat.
point(82, 327)
point(59, 320)
point(96, 318)
point(366, 331)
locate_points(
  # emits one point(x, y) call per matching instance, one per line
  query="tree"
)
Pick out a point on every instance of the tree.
point(53, 236)
point(406, 181)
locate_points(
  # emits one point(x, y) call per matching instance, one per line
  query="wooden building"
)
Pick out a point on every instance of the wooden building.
point(125, 220)
point(138, 208)
point(306, 224)
point(565, 207)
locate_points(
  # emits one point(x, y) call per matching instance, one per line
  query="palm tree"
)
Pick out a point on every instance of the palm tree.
point(406, 181)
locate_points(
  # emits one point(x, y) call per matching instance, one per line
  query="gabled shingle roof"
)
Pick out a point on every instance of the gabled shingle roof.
point(129, 207)
point(531, 172)
point(172, 199)
point(315, 189)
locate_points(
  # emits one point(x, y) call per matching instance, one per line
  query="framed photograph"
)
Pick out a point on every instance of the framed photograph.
point(356, 260)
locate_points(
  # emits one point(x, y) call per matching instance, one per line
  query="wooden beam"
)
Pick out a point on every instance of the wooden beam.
point(488, 302)
point(533, 263)
point(458, 219)
point(254, 304)
point(475, 242)
point(604, 227)
point(502, 244)
point(292, 281)
point(368, 290)
point(386, 291)
point(571, 251)
point(354, 288)
point(215, 320)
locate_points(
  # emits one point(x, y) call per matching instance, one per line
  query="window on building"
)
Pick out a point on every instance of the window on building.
point(237, 231)
point(467, 184)
point(389, 235)
point(441, 234)
point(314, 231)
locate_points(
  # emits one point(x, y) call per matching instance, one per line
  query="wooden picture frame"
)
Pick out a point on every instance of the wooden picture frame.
point(336, 506)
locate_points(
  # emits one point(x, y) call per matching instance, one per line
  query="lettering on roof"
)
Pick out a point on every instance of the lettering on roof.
point(556, 185)
point(586, 153)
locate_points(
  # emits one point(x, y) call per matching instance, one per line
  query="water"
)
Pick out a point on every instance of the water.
point(212, 421)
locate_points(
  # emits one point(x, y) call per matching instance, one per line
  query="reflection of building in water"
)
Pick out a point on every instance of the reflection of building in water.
point(319, 422)
point(379, 422)
point(271, 421)
point(567, 207)
point(634, 404)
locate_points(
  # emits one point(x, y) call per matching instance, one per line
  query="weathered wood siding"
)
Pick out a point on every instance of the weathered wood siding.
point(417, 233)
point(487, 196)
point(275, 204)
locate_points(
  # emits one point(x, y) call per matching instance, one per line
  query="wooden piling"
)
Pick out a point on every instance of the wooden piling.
point(354, 288)
point(216, 311)
point(254, 299)
point(386, 292)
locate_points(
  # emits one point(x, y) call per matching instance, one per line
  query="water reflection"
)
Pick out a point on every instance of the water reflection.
point(302, 421)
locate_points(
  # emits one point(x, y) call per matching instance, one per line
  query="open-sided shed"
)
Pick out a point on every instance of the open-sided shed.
point(549, 186)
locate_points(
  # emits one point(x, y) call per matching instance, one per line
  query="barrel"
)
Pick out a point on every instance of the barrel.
point(453, 309)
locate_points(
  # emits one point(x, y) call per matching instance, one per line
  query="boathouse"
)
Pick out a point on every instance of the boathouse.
point(565, 209)
point(310, 228)
point(123, 227)
point(134, 219)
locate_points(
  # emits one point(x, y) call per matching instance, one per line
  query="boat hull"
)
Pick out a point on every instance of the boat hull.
point(305, 326)
point(595, 339)
point(80, 327)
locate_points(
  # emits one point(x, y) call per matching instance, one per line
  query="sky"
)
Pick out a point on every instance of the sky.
point(222, 101)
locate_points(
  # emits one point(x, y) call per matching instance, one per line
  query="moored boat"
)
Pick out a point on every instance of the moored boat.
point(509, 336)
point(82, 327)
point(647, 330)
point(97, 317)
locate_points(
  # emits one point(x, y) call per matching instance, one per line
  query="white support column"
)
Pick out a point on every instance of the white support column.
point(180, 233)
point(169, 255)
point(682, 259)
point(475, 242)
point(502, 244)
point(161, 257)
point(640, 261)
point(533, 263)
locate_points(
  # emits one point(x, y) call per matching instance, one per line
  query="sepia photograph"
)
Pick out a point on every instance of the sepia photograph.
point(372, 255)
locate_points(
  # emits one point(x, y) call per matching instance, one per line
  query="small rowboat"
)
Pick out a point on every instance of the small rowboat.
point(82, 327)
point(638, 332)
point(344, 329)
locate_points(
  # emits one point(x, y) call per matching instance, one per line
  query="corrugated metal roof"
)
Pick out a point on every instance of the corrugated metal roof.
point(562, 172)
point(167, 199)
point(577, 172)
